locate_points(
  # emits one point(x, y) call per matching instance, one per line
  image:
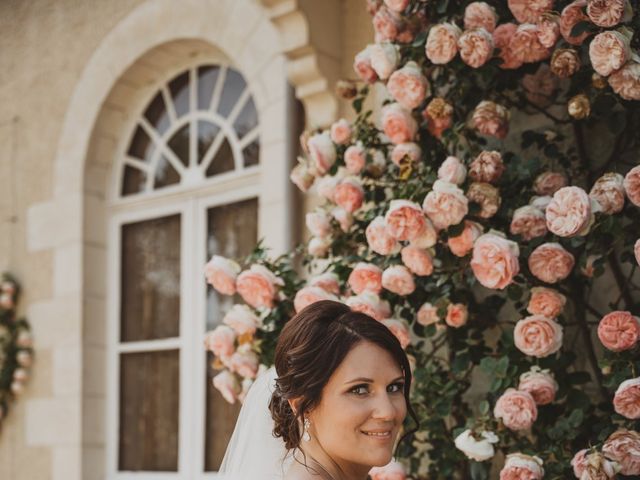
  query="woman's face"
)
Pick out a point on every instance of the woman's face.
point(361, 410)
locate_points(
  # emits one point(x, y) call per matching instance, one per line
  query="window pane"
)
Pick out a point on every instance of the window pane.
point(179, 88)
point(157, 114)
point(247, 119)
point(207, 77)
point(134, 181)
point(141, 146)
point(223, 161)
point(251, 154)
point(166, 175)
point(232, 231)
point(234, 85)
point(149, 411)
point(207, 132)
point(150, 279)
point(179, 143)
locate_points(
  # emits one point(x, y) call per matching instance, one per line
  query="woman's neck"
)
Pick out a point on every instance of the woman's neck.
point(330, 468)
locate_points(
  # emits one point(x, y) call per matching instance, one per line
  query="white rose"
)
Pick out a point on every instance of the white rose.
point(478, 450)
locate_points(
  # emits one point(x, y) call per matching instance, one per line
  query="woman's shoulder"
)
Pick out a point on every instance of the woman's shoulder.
point(300, 472)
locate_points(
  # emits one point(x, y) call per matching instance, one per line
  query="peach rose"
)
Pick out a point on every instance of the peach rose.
point(492, 119)
point(370, 304)
point(221, 274)
point(402, 151)
point(398, 124)
point(362, 66)
point(485, 195)
point(427, 238)
point(302, 177)
point(569, 213)
point(258, 286)
point(538, 336)
point(526, 44)
point(427, 314)
point(540, 384)
point(528, 11)
point(405, 220)
point(365, 277)
point(445, 204)
point(384, 59)
point(480, 15)
point(597, 467)
point(227, 384)
point(457, 315)
point(398, 279)
point(528, 222)
point(517, 409)
point(495, 261)
point(502, 36)
point(452, 170)
point(565, 62)
point(626, 81)
point(319, 223)
point(327, 281)
point(408, 86)
point(354, 158)
point(609, 51)
point(244, 362)
point(548, 29)
point(438, 116)
point(325, 186)
point(522, 467)
point(344, 218)
point(349, 194)
point(609, 13)
point(391, 471)
point(636, 250)
point(400, 330)
point(626, 400)
point(487, 167)
point(397, 6)
point(442, 43)
point(570, 16)
point(579, 462)
point(476, 47)
point(631, 185)
point(548, 183)
point(322, 152)
point(221, 341)
point(387, 25)
point(379, 239)
point(418, 260)
point(619, 331)
point(308, 295)
point(461, 245)
point(608, 191)
point(319, 247)
point(623, 446)
point(242, 320)
point(341, 132)
point(545, 301)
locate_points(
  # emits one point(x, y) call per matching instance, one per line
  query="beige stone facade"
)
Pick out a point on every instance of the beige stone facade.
point(73, 74)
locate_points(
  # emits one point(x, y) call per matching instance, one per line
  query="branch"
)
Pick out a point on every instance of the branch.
point(620, 280)
point(582, 151)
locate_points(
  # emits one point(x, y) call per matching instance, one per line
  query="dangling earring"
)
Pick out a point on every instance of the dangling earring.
point(305, 428)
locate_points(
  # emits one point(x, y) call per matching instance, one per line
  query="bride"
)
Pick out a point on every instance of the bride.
point(337, 399)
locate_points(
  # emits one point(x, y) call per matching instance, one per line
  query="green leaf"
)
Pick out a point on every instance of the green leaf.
point(484, 407)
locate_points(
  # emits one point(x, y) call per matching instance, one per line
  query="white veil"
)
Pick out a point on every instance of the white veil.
point(253, 452)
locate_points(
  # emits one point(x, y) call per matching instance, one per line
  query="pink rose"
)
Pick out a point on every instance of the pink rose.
point(636, 250)
point(608, 191)
point(609, 51)
point(228, 385)
point(397, 6)
point(349, 194)
point(242, 320)
point(302, 177)
point(418, 260)
point(319, 247)
point(328, 281)
point(427, 238)
point(221, 274)
point(405, 220)
point(526, 44)
point(619, 331)
point(354, 158)
point(341, 132)
point(476, 47)
point(445, 204)
point(326, 186)
point(438, 116)
point(528, 222)
point(258, 286)
point(461, 245)
point(485, 195)
point(384, 59)
point(370, 304)
point(502, 36)
point(408, 86)
point(570, 16)
point(452, 170)
point(548, 183)
point(565, 62)
point(597, 467)
point(609, 13)
point(442, 43)
point(386, 25)
point(522, 467)
point(398, 279)
point(244, 362)
point(319, 223)
point(623, 446)
point(308, 295)
point(457, 315)
point(365, 277)
point(495, 261)
point(391, 471)
point(406, 151)
point(322, 152)
point(569, 213)
point(540, 384)
point(487, 167)
point(491, 119)
point(221, 341)
point(538, 336)
point(379, 239)
point(344, 218)
point(579, 462)
point(545, 301)
point(550, 262)
point(362, 66)
point(480, 15)
point(398, 124)
point(548, 29)
point(400, 330)
point(517, 409)
point(427, 314)
point(528, 11)
point(632, 185)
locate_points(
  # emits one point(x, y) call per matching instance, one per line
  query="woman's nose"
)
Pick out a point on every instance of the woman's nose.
point(384, 408)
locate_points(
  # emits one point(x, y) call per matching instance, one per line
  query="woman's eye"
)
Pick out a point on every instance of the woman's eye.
point(360, 390)
point(395, 387)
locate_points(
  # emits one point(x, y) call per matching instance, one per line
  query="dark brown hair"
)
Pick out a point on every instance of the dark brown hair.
point(310, 348)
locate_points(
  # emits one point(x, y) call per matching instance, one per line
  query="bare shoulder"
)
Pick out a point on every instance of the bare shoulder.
point(300, 472)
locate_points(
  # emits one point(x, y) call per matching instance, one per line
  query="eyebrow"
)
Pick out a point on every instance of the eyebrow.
point(368, 380)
